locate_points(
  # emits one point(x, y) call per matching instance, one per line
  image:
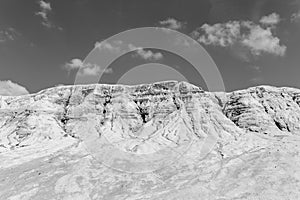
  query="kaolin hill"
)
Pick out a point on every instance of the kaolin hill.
point(166, 140)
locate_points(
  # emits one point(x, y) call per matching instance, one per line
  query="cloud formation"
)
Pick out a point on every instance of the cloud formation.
point(119, 47)
point(295, 17)
point(172, 23)
point(145, 54)
point(45, 10)
point(271, 19)
point(8, 34)
point(85, 69)
point(8, 88)
point(114, 47)
point(247, 35)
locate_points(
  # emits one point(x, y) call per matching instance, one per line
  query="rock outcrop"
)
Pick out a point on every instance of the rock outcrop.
point(167, 140)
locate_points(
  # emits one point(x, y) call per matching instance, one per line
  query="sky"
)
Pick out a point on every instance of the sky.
point(44, 43)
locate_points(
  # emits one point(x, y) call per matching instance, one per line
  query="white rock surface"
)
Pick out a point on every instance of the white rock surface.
point(166, 140)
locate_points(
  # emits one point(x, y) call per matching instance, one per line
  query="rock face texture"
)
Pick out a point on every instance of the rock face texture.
point(167, 140)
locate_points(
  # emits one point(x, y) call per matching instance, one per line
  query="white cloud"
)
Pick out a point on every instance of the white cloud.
point(295, 17)
point(113, 47)
point(8, 34)
point(85, 69)
point(172, 23)
point(74, 64)
point(241, 34)
point(8, 88)
point(271, 19)
point(220, 34)
point(149, 55)
point(45, 6)
point(184, 42)
point(45, 9)
point(261, 40)
point(146, 54)
point(119, 47)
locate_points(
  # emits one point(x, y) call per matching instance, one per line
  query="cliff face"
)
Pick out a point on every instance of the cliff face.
point(166, 140)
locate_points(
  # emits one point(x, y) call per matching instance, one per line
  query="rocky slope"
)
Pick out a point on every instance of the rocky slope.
point(165, 140)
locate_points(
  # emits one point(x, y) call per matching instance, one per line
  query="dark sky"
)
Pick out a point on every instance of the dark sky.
point(39, 39)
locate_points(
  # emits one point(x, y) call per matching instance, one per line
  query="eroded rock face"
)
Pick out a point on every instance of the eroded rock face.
point(165, 140)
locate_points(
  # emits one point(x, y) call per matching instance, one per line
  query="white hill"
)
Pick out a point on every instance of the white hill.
point(166, 140)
